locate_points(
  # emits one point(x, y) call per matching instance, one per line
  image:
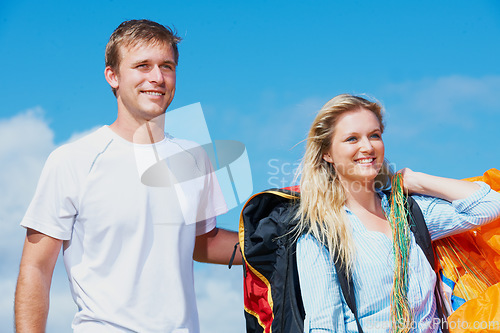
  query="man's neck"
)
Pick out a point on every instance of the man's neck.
point(141, 132)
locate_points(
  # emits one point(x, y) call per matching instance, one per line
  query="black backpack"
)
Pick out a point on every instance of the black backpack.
point(271, 289)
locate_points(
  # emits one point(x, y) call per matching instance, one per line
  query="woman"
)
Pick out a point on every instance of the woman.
point(344, 211)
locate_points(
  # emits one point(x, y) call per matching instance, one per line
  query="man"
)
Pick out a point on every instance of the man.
point(127, 247)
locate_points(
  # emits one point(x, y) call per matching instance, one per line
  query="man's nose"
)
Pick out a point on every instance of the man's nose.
point(156, 75)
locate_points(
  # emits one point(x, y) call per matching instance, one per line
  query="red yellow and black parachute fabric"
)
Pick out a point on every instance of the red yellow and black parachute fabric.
point(470, 264)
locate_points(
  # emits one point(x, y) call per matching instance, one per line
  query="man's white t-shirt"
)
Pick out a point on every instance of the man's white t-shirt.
point(128, 246)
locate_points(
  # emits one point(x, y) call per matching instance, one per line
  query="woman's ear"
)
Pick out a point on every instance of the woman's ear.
point(327, 157)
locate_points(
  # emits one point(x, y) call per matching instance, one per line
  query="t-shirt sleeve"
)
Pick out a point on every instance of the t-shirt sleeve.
point(217, 205)
point(212, 203)
point(205, 226)
point(53, 208)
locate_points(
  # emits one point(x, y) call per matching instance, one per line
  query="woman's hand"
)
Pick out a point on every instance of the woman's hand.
point(444, 188)
point(410, 181)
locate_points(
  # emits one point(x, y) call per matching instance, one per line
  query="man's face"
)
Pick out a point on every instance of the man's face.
point(144, 81)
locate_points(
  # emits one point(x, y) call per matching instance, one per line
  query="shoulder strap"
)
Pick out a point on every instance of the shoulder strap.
point(419, 228)
point(347, 286)
point(423, 239)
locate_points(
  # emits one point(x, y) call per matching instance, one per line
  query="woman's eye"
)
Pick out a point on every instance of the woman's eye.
point(351, 139)
point(376, 136)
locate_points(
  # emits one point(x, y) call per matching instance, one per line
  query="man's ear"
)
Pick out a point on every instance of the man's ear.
point(327, 157)
point(111, 76)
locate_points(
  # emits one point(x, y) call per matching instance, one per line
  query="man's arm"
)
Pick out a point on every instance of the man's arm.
point(33, 284)
point(216, 247)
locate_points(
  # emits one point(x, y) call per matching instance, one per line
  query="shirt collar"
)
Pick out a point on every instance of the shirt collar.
point(384, 203)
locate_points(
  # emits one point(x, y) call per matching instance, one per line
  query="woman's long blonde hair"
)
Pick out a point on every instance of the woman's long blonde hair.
point(321, 209)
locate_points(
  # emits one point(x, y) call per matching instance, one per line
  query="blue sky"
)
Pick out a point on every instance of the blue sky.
point(260, 71)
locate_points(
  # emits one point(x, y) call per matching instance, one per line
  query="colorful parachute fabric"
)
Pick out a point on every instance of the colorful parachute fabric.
point(470, 273)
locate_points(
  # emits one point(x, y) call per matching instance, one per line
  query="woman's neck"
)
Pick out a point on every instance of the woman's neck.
point(363, 196)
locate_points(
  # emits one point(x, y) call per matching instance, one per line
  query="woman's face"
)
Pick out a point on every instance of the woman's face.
point(357, 149)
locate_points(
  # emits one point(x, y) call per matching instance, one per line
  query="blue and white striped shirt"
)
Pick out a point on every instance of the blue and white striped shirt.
point(326, 309)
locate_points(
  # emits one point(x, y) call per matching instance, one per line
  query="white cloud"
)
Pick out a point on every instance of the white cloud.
point(25, 142)
point(76, 136)
point(446, 126)
point(444, 92)
point(219, 294)
point(458, 101)
point(7, 287)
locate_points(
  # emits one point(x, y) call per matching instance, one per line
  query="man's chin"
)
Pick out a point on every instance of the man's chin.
point(154, 111)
